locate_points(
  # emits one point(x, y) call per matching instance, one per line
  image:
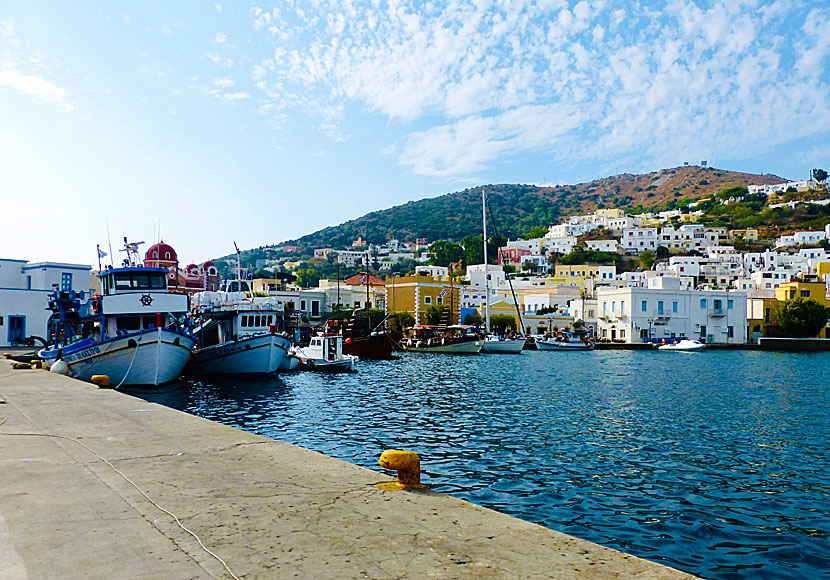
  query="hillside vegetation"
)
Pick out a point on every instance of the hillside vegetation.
point(519, 208)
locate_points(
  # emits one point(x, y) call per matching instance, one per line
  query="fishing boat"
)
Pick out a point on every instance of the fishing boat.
point(135, 332)
point(565, 341)
point(456, 339)
point(325, 354)
point(493, 343)
point(683, 345)
point(361, 339)
point(237, 333)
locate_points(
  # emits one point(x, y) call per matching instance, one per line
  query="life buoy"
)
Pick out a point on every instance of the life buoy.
point(96, 304)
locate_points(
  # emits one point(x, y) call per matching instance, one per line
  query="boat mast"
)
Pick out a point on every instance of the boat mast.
point(486, 273)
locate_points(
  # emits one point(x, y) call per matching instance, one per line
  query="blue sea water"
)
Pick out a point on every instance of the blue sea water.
point(714, 463)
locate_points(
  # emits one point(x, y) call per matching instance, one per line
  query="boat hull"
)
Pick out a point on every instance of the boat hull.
point(467, 347)
point(684, 346)
point(508, 346)
point(563, 346)
point(376, 346)
point(152, 357)
point(251, 355)
point(344, 365)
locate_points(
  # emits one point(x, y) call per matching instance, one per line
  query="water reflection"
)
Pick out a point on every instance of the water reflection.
point(713, 463)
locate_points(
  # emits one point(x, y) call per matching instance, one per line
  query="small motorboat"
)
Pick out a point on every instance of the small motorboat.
point(565, 341)
point(499, 344)
point(325, 354)
point(683, 345)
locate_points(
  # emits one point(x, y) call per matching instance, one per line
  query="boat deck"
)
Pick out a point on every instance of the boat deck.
point(91, 479)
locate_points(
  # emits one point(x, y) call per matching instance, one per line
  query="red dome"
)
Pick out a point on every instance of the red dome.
point(208, 264)
point(192, 268)
point(161, 251)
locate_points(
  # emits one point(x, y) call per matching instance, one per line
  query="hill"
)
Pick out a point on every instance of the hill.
point(519, 208)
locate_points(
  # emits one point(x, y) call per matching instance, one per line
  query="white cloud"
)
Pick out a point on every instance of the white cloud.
point(25, 70)
point(221, 38)
point(581, 79)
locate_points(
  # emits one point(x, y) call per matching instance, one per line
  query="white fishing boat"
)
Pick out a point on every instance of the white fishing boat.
point(135, 333)
point(457, 339)
point(325, 354)
point(683, 345)
point(497, 344)
point(565, 341)
point(237, 333)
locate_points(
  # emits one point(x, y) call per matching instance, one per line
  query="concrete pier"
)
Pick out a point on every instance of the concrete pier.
point(100, 485)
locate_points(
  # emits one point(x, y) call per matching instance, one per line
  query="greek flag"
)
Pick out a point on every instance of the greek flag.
point(362, 279)
point(443, 293)
point(101, 253)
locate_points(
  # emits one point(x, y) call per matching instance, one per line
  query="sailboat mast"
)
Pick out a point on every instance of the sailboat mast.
point(486, 273)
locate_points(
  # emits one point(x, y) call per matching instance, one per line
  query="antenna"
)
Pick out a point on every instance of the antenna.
point(109, 241)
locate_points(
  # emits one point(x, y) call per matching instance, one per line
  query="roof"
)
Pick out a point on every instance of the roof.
point(358, 280)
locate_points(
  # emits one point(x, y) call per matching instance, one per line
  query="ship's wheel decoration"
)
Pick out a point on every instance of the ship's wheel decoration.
point(146, 299)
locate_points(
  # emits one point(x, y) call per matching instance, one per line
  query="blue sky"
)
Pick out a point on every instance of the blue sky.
point(260, 122)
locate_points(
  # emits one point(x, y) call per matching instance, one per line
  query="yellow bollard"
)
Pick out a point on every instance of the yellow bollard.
point(103, 381)
point(36, 363)
point(8, 354)
point(408, 466)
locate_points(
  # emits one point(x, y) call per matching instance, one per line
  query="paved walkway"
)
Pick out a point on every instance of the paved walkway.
point(90, 481)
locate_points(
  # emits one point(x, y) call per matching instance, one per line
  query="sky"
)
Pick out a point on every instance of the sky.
point(209, 123)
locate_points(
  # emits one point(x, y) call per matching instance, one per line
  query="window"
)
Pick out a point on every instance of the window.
point(244, 321)
point(28, 282)
point(613, 306)
point(731, 303)
point(622, 307)
point(604, 308)
point(427, 299)
point(302, 305)
point(622, 333)
point(66, 282)
point(660, 308)
point(645, 305)
point(730, 331)
point(674, 307)
point(805, 293)
point(703, 302)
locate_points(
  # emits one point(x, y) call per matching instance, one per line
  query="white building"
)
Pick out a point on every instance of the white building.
point(24, 291)
point(643, 314)
point(801, 239)
point(803, 185)
point(690, 237)
point(558, 245)
point(638, 240)
point(570, 229)
point(604, 246)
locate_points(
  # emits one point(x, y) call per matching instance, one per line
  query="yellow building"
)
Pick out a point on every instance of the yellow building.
point(811, 287)
point(417, 293)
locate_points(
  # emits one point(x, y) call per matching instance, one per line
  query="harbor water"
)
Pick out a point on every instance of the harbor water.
point(714, 463)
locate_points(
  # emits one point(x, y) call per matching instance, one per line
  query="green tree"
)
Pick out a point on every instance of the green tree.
point(398, 321)
point(473, 319)
point(646, 259)
point(536, 232)
point(820, 175)
point(309, 278)
point(801, 317)
point(433, 314)
point(502, 323)
point(445, 253)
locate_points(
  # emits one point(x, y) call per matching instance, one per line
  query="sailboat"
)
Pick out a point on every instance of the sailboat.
point(492, 342)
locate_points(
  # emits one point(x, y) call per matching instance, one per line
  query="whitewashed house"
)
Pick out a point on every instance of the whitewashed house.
point(651, 314)
point(24, 291)
point(638, 240)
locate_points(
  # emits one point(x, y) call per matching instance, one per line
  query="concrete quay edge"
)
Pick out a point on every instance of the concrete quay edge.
point(84, 472)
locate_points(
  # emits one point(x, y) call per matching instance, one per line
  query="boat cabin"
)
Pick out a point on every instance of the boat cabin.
point(328, 347)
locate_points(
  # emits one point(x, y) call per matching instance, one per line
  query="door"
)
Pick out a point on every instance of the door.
point(17, 328)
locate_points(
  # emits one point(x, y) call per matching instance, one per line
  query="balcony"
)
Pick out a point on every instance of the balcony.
point(720, 312)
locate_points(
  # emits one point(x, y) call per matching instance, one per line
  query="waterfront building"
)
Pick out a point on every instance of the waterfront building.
point(666, 313)
point(563, 245)
point(584, 309)
point(24, 291)
point(415, 294)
